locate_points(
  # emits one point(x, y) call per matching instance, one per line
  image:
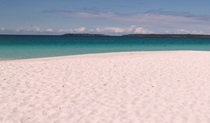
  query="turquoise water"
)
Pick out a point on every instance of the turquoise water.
point(20, 46)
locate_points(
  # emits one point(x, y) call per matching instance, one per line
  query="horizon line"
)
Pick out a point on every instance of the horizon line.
point(129, 34)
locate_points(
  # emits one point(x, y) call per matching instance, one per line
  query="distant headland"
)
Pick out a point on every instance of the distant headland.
point(125, 35)
point(84, 34)
point(143, 35)
point(169, 35)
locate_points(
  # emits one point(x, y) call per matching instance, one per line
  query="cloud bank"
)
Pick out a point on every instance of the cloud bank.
point(158, 21)
point(98, 30)
point(133, 29)
point(153, 21)
point(149, 17)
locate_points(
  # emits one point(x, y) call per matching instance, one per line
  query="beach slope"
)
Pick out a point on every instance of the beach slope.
point(132, 87)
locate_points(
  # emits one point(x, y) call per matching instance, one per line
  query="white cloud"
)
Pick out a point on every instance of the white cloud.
point(110, 29)
point(105, 30)
point(120, 30)
point(36, 29)
point(79, 30)
point(71, 30)
point(198, 32)
point(32, 30)
point(183, 31)
point(2, 28)
point(131, 28)
point(166, 31)
point(49, 30)
point(141, 30)
point(65, 30)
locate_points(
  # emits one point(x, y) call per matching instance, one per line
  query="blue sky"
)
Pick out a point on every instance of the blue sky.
point(114, 17)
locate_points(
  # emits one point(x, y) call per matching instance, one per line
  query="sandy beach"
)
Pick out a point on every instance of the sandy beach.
point(131, 87)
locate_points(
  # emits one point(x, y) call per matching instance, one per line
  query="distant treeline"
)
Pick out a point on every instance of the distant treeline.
point(83, 34)
point(168, 35)
point(143, 35)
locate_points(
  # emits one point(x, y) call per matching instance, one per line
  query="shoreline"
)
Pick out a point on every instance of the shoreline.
point(149, 87)
point(96, 55)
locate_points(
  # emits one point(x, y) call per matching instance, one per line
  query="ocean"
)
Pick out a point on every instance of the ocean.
point(37, 46)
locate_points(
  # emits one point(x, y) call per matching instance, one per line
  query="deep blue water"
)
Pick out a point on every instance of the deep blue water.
point(31, 46)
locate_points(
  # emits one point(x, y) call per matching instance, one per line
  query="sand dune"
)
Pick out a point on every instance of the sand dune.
point(133, 87)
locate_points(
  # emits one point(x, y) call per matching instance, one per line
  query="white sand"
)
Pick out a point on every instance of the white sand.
point(147, 87)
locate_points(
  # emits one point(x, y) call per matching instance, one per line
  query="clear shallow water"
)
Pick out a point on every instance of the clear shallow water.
point(20, 46)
